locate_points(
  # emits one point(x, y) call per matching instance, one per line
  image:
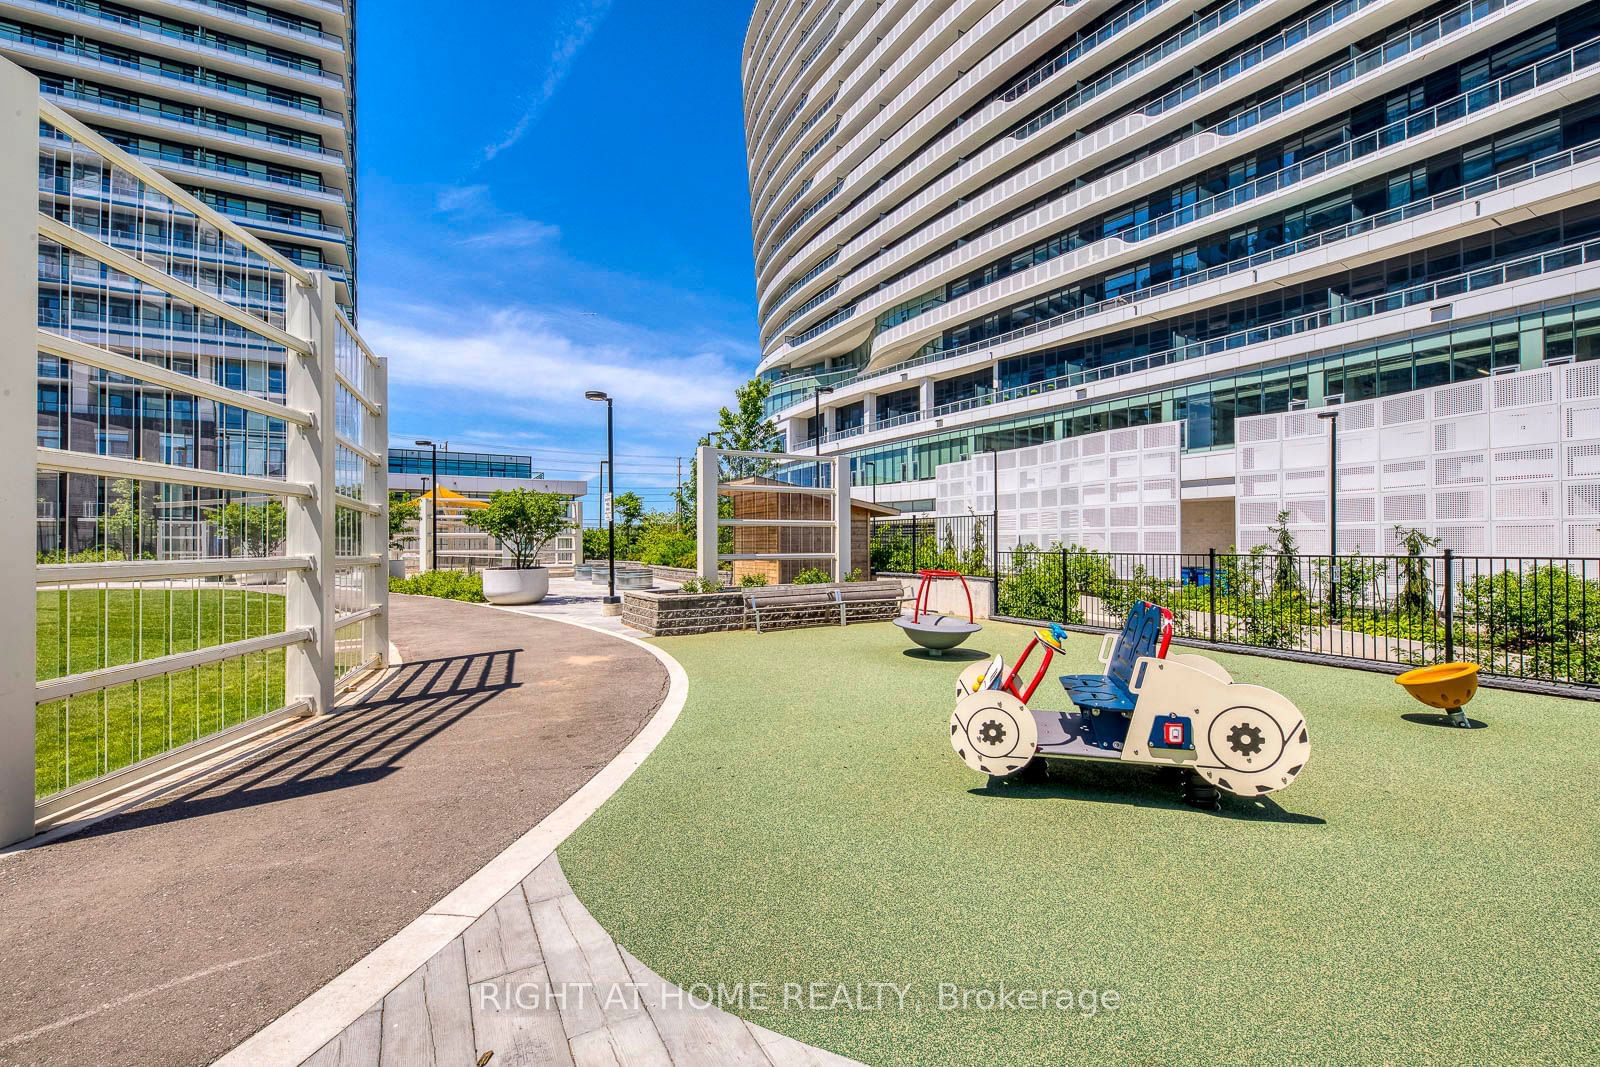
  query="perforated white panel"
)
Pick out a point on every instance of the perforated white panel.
point(1124, 495)
point(1508, 465)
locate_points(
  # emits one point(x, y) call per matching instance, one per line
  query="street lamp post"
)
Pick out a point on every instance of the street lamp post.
point(433, 507)
point(1331, 417)
point(608, 503)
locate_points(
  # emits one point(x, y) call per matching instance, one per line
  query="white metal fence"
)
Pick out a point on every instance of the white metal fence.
point(724, 473)
point(193, 493)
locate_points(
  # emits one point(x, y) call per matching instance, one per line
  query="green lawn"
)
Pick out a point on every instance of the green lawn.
point(87, 628)
point(1420, 894)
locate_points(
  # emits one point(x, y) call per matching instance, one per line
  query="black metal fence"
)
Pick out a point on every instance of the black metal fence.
point(959, 543)
point(1533, 619)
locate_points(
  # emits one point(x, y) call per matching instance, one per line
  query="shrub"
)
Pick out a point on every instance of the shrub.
point(812, 576)
point(448, 585)
point(855, 576)
point(753, 581)
point(90, 555)
point(1033, 589)
point(701, 585)
point(667, 546)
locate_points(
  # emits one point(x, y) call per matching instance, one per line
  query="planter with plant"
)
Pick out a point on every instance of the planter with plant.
point(523, 522)
point(403, 511)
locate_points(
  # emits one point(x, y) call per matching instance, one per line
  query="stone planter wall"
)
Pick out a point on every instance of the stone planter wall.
point(676, 614)
point(672, 614)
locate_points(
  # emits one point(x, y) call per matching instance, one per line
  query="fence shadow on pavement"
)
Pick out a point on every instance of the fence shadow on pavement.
point(360, 744)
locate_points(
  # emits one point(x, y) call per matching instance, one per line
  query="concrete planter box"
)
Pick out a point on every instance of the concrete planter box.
point(506, 585)
point(397, 567)
point(676, 614)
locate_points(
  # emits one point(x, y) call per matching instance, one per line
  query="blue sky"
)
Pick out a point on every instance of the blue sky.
point(552, 199)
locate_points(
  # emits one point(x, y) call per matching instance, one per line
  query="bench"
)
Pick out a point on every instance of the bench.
point(813, 605)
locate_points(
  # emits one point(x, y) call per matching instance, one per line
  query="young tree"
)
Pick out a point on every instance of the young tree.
point(255, 529)
point(629, 511)
point(1416, 586)
point(524, 522)
point(741, 428)
point(1286, 569)
point(403, 511)
point(123, 524)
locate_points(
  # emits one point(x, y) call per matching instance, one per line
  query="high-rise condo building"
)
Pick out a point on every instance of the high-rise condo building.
point(249, 106)
point(1033, 226)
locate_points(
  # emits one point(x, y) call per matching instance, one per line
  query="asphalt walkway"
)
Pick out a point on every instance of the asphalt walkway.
point(171, 932)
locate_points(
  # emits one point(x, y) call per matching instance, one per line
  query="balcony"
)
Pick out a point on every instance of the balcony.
point(1145, 174)
point(92, 17)
point(28, 44)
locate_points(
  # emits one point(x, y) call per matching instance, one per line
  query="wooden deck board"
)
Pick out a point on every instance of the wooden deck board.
point(502, 940)
point(536, 980)
point(521, 1026)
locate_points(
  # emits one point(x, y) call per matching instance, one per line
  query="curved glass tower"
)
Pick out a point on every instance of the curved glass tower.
point(993, 224)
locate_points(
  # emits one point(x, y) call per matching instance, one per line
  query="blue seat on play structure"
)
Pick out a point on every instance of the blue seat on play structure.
point(1147, 632)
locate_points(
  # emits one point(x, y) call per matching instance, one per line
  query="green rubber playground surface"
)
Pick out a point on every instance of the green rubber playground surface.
point(1420, 894)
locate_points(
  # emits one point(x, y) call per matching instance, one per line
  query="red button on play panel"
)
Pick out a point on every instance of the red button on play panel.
point(1174, 734)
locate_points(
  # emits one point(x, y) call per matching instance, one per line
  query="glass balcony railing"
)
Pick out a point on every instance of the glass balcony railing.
point(173, 156)
point(1415, 125)
point(60, 185)
point(1467, 282)
point(286, 25)
point(215, 128)
point(794, 287)
point(1396, 47)
point(1087, 41)
point(1536, 169)
point(156, 31)
point(1145, 60)
point(826, 324)
point(31, 40)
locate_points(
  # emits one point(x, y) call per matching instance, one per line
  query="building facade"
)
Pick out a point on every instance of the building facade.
point(251, 107)
point(248, 107)
point(986, 225)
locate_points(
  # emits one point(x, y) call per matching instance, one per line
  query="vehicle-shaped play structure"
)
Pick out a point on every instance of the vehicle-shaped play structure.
point(1449, 687)
point(938, 634)
point(1151, 706)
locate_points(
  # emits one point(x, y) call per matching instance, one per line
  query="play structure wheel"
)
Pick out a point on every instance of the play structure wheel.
point(993, 732)
point(1260, 750)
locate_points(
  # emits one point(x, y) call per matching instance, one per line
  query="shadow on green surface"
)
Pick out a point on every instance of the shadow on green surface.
point(1145, 787)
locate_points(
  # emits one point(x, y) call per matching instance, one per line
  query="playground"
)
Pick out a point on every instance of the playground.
point(806, 821)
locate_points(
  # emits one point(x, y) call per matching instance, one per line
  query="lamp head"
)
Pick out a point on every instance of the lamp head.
point(425, 444)
point(824, 390)
point(1331, 413)
point(595, 394)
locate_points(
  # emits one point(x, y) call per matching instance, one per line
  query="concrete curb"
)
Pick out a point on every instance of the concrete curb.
point(305, 1028)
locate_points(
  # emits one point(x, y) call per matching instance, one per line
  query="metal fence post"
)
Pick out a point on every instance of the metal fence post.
point(844, 526)
point(915, 523)
point(1211, 585)
point(1449, 607)
point(1063, 584)
point(19, 315)
point(310, 386)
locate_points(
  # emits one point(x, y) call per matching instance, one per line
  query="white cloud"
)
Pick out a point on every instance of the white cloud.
point(575, 31)
point(532, 367)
